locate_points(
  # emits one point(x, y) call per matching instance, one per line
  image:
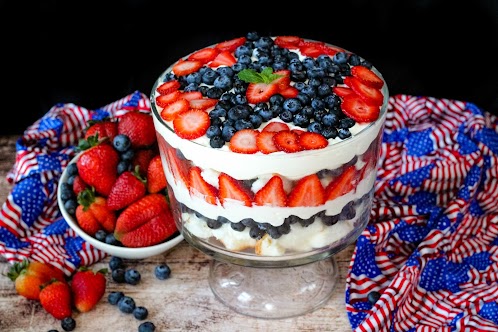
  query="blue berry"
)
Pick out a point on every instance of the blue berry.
point(118, 275)
point(70, 205)
point(121, 142)
point(146, 327)
point(140, 313)
point(213, 131)
point(110, 239)
point(343, 133)
point(68, 324)
point(162, 271)
point(223, 82)
point(72, 169)
point(116, 263)
point(66, 191)
point(132, 276)
point(114, 297)
point(101, 235)
point(126, 304)
point(216, 142)
point(340, 58)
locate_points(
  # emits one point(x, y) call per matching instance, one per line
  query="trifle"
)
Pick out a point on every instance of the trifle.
point(270, 145)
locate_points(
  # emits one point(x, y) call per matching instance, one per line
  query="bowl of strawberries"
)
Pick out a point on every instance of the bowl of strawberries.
point(113, 192)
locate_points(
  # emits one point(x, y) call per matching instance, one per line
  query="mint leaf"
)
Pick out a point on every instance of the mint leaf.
point(251, 76)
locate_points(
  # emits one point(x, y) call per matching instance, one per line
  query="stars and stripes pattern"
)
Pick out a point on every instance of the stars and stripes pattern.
point(428, 259)
point(31, 225)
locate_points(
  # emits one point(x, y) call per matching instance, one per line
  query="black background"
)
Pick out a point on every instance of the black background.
point(92, 53)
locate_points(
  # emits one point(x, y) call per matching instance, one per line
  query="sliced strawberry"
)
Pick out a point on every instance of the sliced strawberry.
point(232, 189)
point(168, 87)
point(307, 192)
point(287, 141)
point(185, 67)
point(283, 82)
point(264, 142)
point(199, 187)
point(189, 95)
point(230, 45)
point(170, 111)
point(202, 103)
point(272, 193)
point(342, 91)
point(312, 141)
point(177, 167)
point(289, 92)
point(357, 109)
point(367, 93)
point(298, 131)
point(311, 48)
point(224, 58)
point(276, 126)
point(244, 141)
point(164, 100)
point(341, 185)
point(331, 50)
point(205, 55)
point(191, 124)
point(367, 76)
point(260, 92)
point(288, 41)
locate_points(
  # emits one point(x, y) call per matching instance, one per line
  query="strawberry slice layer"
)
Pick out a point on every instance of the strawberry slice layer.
point(231, 190)
point(191, 124)
point(272, 193)
point(307, 192)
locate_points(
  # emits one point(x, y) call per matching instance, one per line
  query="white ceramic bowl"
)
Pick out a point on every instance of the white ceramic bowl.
point(123, 252)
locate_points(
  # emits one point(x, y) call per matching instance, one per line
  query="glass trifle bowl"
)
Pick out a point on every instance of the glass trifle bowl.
point(270, 147)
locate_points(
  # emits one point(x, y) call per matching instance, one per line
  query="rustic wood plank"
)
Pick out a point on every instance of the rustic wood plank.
point(184, 302)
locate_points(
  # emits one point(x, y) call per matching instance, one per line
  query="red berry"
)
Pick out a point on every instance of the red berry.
point(287, 141)
point(191, 124)
point(244, 141)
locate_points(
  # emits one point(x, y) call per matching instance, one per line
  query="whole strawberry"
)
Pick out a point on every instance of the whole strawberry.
point(104, 129)
point(93, 213)
point(56, 299)
point(97, 166)
point(129, 187)
point(156, 179)
point(88, 288)
point(29, 276)
point(139, 127)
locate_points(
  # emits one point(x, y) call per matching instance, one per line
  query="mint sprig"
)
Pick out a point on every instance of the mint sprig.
point(251, 76)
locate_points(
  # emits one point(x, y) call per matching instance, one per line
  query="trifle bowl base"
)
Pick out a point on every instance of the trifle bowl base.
point(274, 293)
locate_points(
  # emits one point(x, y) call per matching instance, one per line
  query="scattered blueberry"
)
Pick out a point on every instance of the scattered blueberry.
point(68, 324)
point(114, 297)
point(132, 276)
point(116, 263)
point(146, 327)
point(126, 304)
point(140, 313)
point(162, 271)
point(118, 275)
point(121, 142)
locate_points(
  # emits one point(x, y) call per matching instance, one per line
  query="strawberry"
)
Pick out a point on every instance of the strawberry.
point(289, 92)
point(312, 141)
point(191, 124)
point(165, 100)
point(231, 189)
point(308, 191)
point(244, 141)
point(145, 222)
point(170, 111)
point(367, 76)
point(205, 55)
point(177, 167)
point(342, 184)
point(272, 193)
point(29, 276)
point(287, 141)
point(260, 92)
point(224, 58)
point(199, 187)
point(276, 126)
point(156, 179)
point(190, 95)
point(359, 110)
point(56, 299)
point(97, 166)
point(331, 50)
point(142, 158)
point(93, 213)
point(311, 48)
point(79, 185)
point(202, 103)
point(343, 91)
point(264, 142)
point(139, 127)
point(88, 288)
point(284, 80)
point(230, 45)
point(129, 187)
point(370, 95)
point(185, 67)
point(291, 42)
point(104, 129)
point(168, 87)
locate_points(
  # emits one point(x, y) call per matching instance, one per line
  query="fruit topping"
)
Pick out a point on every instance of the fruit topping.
point(367, 76)
point(312, 141)
point(185, 67)
point(168, 87)
point(358, 109)
point(272, 193)
point(191, 124)
point(308, 191)
point(287, 141)
point(200, 188)
point(244, 141)
point(231, 190)
point(230, 45)
point(342, 184)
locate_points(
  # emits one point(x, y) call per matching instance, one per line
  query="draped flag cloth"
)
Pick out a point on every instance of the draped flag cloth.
point(31, 225)
point(428, 259)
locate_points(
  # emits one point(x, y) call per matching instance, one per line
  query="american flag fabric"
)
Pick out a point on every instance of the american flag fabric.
point(428, 259)
point(31, 225)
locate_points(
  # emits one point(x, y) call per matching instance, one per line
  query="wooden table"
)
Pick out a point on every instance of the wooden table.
point(184, 302)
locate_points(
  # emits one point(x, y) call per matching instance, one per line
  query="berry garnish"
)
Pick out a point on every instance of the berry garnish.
point(191, 124)
point(185, 67)
point(287, 141)
point(312, 141)
point(359, 110)
point(244, 141)
point(367, 76)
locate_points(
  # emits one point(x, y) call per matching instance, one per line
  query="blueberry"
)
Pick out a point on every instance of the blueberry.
point(340, 58)
point(101, 235)
point(140, 313)
point(216, 142)
point(110, 239)
point(213, 131)
point(126, 304)
point(162, 271)
point(123, 166)
point(53, 330)
point(227, 132)
point(237, 226)
point(66, 191)
point(373, 297)
point(121, 142)
point(70, 179)
point(127, 155)
point(68, 324)
point(223, 82)
point(132, 276)
point(344, 133)
point(72, 169)
point(114, 297)
point(118, 275)
point(116, 263)
point(146, 327)
point(70, 205)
